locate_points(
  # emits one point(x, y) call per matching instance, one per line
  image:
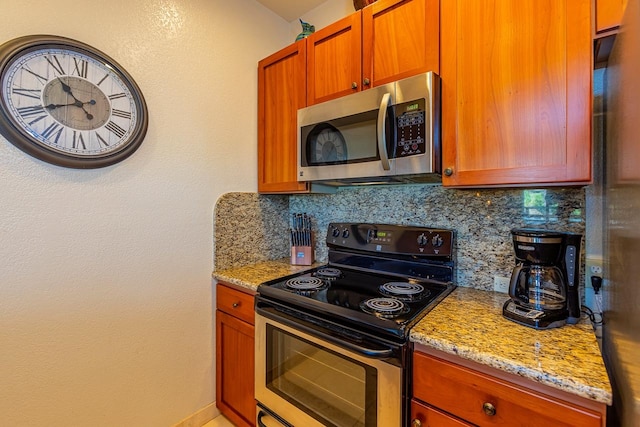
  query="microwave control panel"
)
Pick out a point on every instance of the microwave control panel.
point(410, 128)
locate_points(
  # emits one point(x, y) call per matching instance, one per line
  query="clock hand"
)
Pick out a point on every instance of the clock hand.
point(54, 106)
point(89, 115)
point(66, 88)
point(75, 103)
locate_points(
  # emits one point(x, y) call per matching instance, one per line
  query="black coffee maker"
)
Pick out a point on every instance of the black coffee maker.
point(544, 282)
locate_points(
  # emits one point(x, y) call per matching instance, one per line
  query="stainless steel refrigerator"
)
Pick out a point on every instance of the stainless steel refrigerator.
point(621, 290)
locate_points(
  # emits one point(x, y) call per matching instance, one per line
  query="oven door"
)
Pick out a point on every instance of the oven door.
point(311, 381)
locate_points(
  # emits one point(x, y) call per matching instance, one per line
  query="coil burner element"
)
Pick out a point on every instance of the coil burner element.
point(328, 273)
point(305, 284)
point(404, 291)
point(384, 307)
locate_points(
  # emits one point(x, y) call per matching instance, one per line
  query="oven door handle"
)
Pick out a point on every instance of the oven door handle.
point(340, 342)
point(260, 415)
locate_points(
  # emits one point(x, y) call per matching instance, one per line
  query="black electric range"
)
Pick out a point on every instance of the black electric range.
point(380, 280)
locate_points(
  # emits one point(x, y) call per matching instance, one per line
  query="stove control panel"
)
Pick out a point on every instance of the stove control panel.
point(391, 239)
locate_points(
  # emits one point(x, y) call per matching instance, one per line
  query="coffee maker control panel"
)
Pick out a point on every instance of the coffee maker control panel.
point(570, 260)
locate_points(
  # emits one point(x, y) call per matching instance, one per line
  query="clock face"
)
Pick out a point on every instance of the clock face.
point(66, 103)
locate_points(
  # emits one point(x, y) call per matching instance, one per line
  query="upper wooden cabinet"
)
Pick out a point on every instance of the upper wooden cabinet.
point(281, 92)
point(334, 60)
point(516, 92)
point(608, 15)
point(400, 38)
point(386, 41)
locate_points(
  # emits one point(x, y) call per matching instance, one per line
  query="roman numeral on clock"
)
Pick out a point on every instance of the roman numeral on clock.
point(57, 66)
point(117, 95)
point(120, 113)
point(102, 79)
point(42, 80)
point(53, 129)
point(101, 140)
point(115, 129)
point(29, 93)
point(35, 110)
point(78, 139)
point(80, 67)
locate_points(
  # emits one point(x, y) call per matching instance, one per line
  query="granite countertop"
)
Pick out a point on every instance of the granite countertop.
point(250, 276)
point(469, 323)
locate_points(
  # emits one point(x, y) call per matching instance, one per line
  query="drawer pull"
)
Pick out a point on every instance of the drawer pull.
point(489, 409)
point(416, 423)
point(236, 304)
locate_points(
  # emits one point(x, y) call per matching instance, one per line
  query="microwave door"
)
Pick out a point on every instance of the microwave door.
point(338, 139)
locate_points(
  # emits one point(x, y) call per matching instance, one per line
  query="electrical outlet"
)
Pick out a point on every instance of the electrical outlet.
point(593, 267)
point(501, 284)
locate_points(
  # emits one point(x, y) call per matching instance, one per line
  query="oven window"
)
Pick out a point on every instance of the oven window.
point(332, 388)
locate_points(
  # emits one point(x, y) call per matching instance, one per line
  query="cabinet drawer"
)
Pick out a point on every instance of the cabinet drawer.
point(235, 303)
point(472, 396)
point(425, 416)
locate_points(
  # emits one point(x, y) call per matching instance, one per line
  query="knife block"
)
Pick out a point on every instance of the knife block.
point(302, 255)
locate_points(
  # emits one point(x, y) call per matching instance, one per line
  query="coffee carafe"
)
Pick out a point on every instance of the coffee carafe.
point(544, 283)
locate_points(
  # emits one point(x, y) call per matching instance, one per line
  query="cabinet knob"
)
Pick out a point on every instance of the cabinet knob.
point(448, 171)
point(236, 304)
point(354, 85)
point(489, 409)
point(416, 423)
point(366, 82)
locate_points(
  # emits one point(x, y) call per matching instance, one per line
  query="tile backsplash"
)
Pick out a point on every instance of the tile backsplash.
point(250, 227)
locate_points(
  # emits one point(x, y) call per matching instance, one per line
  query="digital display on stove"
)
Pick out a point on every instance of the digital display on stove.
point(380, 236)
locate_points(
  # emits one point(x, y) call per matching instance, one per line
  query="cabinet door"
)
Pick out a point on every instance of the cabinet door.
point(234, 369)
point(516, 92)
point(425, 416)
point(334, 60)
point(281, 92)
point(401, 38)
point(608, 14)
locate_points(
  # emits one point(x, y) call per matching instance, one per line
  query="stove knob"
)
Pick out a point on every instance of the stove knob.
point(422, 240)
point(437, 241)
point(345, 233)
point(335, 232)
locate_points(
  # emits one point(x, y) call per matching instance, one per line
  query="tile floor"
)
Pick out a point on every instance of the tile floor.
point(219, 421)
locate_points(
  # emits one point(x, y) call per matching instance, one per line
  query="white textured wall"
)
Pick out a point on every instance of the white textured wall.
point(105, 287)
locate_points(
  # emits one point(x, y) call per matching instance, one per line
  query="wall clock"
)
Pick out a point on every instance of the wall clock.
point(67, 103)
point(326, 145)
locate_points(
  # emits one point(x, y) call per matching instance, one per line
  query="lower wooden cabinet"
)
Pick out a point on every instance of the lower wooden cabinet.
point(448, 394)
point(426, 416)
point(234, 356)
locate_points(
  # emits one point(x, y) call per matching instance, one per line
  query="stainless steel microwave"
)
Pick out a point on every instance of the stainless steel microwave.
point(386, 134)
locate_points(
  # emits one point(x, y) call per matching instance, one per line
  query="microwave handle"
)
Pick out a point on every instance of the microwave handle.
point(382, 135)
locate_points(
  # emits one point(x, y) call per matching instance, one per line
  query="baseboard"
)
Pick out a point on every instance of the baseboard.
point(201, 417)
